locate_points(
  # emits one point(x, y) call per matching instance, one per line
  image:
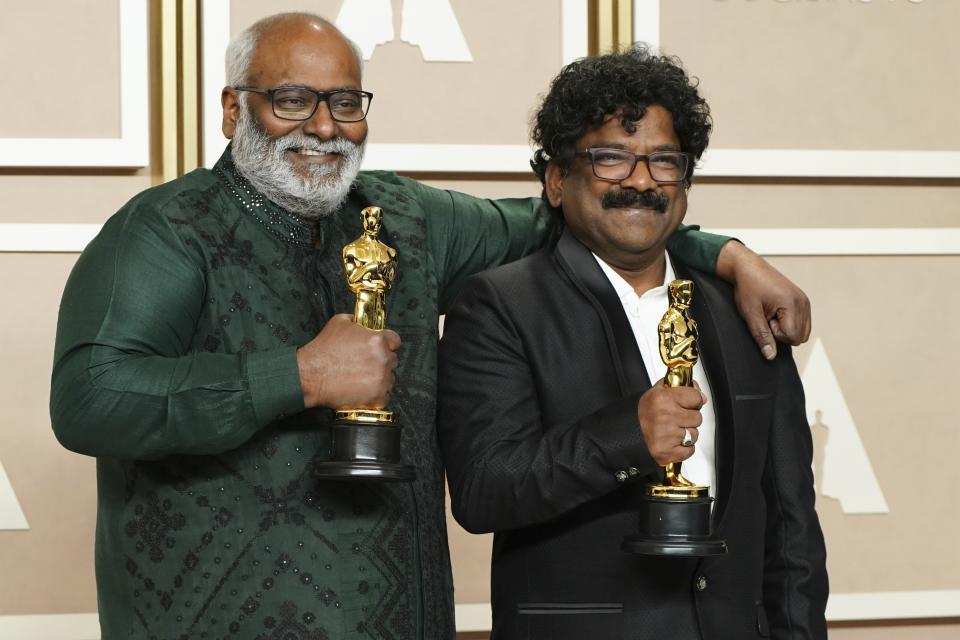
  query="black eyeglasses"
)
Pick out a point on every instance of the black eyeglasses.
point(615, 165)
point(300, 103)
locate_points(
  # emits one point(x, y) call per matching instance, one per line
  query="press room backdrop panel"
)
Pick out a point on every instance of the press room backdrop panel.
point(470, 102)
point(65, 93)
point(451, 94)
point(828, 74)
point(857, 76)
point(48, 568)
point(64, 98)
point(44, 85)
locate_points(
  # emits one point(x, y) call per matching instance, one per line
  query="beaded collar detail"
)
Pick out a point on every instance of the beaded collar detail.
point(277, 221)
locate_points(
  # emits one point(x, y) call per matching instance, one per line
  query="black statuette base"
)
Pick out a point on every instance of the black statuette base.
point(364, 451)
point(674, 527)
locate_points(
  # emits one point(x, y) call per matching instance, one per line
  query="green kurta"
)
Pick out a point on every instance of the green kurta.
point(175, 365)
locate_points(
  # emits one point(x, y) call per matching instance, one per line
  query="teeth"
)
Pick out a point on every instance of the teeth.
point(312, 152)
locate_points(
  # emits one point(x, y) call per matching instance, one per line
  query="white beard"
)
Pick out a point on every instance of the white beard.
point(264, 163)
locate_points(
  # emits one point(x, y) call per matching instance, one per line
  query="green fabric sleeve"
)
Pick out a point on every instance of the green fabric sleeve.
point(468, 234)
point(696, 248)
point(127, 382)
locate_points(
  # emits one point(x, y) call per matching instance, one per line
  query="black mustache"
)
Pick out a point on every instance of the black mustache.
point(632, 198)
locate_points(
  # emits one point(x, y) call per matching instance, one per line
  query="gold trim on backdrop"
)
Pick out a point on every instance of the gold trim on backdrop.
point(180, 99)
point(189, 86)
point(169, 92)
point(611, 25)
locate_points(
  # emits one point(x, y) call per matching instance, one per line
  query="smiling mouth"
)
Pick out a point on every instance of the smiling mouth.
point(636, 207)
point(313, 152)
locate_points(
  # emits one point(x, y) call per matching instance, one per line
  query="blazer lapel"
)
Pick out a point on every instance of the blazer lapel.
point(581, 267)
point(718, 375)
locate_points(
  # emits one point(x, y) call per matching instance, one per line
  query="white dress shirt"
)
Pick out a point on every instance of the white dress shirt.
point(644, 313)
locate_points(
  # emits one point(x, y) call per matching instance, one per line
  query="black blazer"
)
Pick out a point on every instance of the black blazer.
point(539, 381)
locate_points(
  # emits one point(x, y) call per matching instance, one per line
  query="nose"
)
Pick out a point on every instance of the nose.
point(640, 179)
point(321, 123)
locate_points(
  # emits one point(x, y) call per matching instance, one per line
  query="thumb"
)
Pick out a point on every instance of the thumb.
point(762, 334)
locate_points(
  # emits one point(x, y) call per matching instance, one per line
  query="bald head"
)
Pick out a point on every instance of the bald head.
point(274, 31)
point(291, 50)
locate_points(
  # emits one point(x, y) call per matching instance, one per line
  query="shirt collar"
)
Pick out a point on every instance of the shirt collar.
point(623, 288)
point(275, 219)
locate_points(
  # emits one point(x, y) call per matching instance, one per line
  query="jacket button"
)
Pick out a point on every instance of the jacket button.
point(621, 476)
point(702, 583)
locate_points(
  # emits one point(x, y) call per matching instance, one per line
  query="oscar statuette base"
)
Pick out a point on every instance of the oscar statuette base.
point(364, 450)
point(674, 527)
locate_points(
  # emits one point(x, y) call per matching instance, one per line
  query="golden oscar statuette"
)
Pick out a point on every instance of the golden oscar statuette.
point(675, 514)
point(365, 442)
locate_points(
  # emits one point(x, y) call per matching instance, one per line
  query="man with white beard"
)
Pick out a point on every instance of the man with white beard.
point(204, 339)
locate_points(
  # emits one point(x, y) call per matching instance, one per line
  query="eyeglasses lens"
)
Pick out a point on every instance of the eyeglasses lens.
point(615, 164)
point(300, 104)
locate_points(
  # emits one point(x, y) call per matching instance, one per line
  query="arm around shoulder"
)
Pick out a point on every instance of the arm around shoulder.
point(468, 234)
point(772, 306)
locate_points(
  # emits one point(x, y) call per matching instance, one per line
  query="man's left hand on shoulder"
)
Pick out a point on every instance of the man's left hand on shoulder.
point(773, 307)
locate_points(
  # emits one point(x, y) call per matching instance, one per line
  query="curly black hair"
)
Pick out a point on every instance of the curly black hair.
point(589, 90)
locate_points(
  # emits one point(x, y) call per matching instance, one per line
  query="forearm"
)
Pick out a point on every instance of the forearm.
point(108, 403)
point(127, 380)
point(734, 256)
point(526, 474)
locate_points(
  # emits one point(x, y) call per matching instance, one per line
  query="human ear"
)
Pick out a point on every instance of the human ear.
point(231, 111)
point(553, 184)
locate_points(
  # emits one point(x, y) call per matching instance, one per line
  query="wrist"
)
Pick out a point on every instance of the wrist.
point(733, 256)
point(308, 384)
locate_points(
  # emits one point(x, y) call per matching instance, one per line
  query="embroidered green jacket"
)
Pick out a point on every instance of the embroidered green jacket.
point(175, 366)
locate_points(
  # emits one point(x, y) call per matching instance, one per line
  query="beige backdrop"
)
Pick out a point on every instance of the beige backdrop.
point(444, 102)
point(830, 74)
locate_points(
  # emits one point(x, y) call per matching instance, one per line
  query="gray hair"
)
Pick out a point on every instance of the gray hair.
point(241, 48)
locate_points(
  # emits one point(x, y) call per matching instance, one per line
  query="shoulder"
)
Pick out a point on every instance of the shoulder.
point(401, 197)
point(371, 183)
point(156, 215)
point(519, 282)
point(374, 184)
point(195, 192)
point(519, 273)
point(715, 291)
point(199, 184)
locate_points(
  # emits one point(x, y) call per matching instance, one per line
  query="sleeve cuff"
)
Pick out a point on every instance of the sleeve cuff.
point(696, 248)
point(273, 379)
point(616, 433)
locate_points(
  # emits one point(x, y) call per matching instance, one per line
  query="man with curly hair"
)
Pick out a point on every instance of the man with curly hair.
point(553, 416)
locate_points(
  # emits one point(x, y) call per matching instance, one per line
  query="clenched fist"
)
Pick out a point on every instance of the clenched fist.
point(348, 366)
point(664, 412)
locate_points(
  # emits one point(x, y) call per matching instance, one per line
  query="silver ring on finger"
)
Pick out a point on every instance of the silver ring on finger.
point(687, 438)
